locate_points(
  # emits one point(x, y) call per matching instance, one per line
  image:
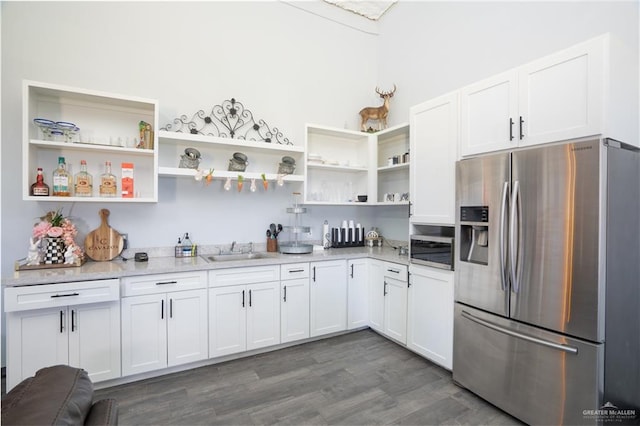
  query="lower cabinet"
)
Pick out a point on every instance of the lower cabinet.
point(430, 316)
point(357, 293)
point(328, 297)
point(388, 299)
point(72, 323)
point(164, 321)
point(294, 306)
point(243, 317)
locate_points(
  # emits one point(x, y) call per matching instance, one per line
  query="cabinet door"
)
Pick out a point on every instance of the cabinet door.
point(358, 293)
point(488, 114)
point(187, 336)
point(294, 310)
point(144, 333)
point(376, 295)
point(94, 339)
point(430, 319)
point(263, 315)
point(561, 95)
point(434, 150)
point(328, 295)
point(227, 320)
point(35, 339)
point(395, 309)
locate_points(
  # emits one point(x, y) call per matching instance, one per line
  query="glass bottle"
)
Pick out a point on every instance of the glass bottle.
point(108, 182)
point(39, 188)
point(62, 180)
point(83, 181)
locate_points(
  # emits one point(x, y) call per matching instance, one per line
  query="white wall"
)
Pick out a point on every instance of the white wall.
point(430, 48)
point(286, 65)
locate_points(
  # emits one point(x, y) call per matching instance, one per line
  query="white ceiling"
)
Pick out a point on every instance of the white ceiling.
point(369, 9)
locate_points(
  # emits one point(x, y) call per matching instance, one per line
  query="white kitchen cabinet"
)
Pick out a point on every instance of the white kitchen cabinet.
point(388, 299)
point(243, 316)
point(392, 176)
point(430, 314)
point(164, 321)
point(72, 323)
point(108, 125)
point(342, 164)
point(555, 98)
point(294, 309)
point(358, 293)
point(434, 147)
point(328, 297)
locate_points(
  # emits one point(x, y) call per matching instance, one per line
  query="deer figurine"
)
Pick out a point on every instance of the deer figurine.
point(377, 113)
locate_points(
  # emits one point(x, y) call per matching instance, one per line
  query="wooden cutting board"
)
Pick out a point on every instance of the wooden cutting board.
point(103, 243)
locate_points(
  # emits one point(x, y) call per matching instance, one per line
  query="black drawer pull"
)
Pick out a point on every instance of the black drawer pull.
point(65, 295)
point(296, 270)
point(395, 271)
point(167, 282)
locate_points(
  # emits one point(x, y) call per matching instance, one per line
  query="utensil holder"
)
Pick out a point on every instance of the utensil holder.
point(339, 242)
point(272, 245)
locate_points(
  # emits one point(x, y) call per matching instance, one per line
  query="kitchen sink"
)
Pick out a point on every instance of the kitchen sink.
point(235, 256)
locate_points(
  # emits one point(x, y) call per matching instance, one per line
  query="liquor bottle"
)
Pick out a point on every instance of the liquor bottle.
point(108, 182)
point(84, 181)
point(39, 188)
point(62, 180)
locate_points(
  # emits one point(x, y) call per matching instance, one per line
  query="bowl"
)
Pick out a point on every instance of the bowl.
point(362, 198)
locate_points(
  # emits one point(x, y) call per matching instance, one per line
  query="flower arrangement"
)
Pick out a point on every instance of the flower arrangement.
point(55, 225)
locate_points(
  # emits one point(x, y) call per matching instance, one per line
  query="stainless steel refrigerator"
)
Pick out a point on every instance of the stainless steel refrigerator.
point(547, 264)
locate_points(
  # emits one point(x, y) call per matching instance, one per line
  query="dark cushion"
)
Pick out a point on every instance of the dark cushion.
point(58, 395)
point(104, 412)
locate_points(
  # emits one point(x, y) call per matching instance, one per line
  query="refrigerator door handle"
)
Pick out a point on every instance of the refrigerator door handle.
point(514, 252)
point(553, 345)
point(504, 273)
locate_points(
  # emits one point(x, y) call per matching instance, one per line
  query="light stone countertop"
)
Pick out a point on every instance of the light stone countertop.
point(163, 264)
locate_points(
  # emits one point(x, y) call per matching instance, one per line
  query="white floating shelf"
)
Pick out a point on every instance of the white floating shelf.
point(223, 174)
point(238, 143)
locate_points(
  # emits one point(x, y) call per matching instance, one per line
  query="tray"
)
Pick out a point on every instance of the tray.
point(21, 265)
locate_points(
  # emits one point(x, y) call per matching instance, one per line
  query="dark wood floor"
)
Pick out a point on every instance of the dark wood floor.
point(355, 379)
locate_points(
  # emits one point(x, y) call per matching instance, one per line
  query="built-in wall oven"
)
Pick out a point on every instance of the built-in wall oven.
point(431, 250)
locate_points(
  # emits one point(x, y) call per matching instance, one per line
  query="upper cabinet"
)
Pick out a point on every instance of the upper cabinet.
point(88, 125)
point(344, 164)
point(434, 147)
point(558, 97)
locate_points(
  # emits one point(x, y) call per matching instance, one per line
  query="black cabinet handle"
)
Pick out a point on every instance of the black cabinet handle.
point(61, 321)
point(384, 289)
point(521, 128)
point(352, 270)
point(249, 298)
point(243, 298)
point(166, 282)
point(296, 270)
point(510, 128)
point(314, 274)
point(162, 309)
point(284, 299)
point(73, 320)
point(170, 308)
point(65, 295)
point(395, 271)
point(409, 210)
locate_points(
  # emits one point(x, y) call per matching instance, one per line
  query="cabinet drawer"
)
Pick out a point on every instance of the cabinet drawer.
point(395, 270)
point(293, 271)
point(63, 294)
point(162, 283)
point(254, 274)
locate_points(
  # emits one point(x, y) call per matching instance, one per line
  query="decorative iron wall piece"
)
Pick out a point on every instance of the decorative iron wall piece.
point(228, 120)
